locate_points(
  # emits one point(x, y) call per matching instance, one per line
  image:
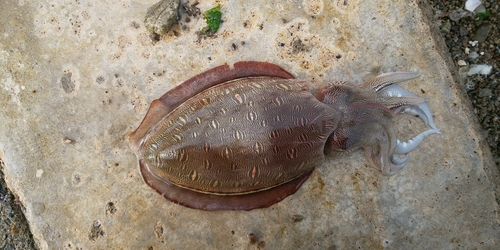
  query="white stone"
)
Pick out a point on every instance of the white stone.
point(482, 69)
point(471, 5)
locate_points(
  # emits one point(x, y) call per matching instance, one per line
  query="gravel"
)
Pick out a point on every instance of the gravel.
point(473, 40)
point(14, 229)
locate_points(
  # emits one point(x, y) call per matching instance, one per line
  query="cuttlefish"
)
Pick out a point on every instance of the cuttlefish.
point(247, 136)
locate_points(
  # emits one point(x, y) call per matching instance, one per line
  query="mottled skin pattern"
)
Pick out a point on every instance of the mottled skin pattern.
point(242, 136)
point(247, 137)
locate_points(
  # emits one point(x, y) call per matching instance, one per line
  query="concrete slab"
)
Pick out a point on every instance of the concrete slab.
point(77, 76)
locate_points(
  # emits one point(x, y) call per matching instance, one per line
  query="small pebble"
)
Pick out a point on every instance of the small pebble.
point(483, 32)
point(161, 17)
point(473, 55)
point(463, 31)
point(482, 69)
point(485, 92)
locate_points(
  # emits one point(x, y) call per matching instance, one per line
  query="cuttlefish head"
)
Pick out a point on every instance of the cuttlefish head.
point(367, 110)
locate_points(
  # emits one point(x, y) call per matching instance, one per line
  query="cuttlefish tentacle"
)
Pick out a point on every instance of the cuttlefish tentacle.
point(406, 147)
point(379, 150)
point(381, 81)
point(420, 109)
point(399, 100)
point(384, 86)
point(399, 161)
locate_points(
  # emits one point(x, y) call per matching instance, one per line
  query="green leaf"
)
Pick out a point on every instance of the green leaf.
point(213, 17)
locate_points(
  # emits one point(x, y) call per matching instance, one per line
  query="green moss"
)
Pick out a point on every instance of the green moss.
point(483, 15)
point(213, 17)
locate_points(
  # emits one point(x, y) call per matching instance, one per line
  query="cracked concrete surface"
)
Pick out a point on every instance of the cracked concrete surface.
point(77, 76)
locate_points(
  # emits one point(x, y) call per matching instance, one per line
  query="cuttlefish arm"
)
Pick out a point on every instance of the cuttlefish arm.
point(403, 101)
point(367, 111)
